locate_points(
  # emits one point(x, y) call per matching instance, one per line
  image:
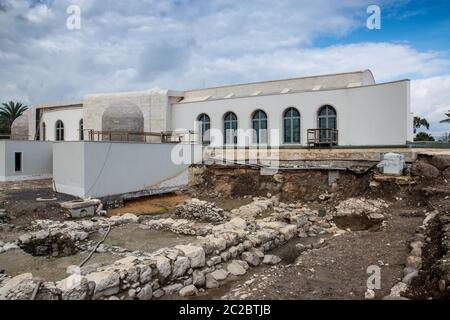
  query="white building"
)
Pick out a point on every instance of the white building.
point(89, 158)
point(350, 109)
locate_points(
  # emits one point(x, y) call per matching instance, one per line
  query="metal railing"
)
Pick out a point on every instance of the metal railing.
point(320, 137)
point(147, 137)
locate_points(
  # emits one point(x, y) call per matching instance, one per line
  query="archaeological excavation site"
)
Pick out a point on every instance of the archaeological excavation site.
point(316, 229)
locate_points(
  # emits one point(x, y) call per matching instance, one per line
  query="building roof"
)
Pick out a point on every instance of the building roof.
point(311, 83)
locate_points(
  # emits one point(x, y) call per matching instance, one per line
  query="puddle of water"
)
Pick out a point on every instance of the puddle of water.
point(150, 205)
point(133, 237)
point(16, 262)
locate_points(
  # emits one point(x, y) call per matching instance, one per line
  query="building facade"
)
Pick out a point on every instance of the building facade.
point(347, 109)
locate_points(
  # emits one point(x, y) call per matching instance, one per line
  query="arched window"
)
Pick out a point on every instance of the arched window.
point(59, 131)
point(230, 124)
point(44, 132)
point(259, 125)
point(81, 128)
point(204, 128)
point(291, 121)
point(327, 120)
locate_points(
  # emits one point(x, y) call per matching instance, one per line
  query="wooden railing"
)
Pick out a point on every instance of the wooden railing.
point(320, 137)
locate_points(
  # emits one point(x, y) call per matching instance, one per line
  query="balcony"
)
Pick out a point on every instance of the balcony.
point(322, 137)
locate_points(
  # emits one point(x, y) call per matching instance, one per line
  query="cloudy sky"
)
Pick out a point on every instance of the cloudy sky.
point(186, 44)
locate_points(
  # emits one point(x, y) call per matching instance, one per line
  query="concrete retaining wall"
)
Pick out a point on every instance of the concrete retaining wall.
point(99, 169)
point(36, 160)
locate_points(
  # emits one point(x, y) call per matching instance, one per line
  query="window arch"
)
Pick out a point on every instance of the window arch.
point(44, 131)
point(259, 126)
point(81, 128)
point(327, 119)
point(230, 124)
point(204, 128)
point(291, 125)
point(59, 131)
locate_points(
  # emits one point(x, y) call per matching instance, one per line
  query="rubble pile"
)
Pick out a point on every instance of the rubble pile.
point(371, 208)
point(196, 209)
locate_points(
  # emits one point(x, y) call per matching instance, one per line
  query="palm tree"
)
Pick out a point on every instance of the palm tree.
point(448, 118)
point(11, 111)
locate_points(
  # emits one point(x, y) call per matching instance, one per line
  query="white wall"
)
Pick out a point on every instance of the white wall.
point(36, 160)
point(366, 116)
point(98, 169)
point(71, 119)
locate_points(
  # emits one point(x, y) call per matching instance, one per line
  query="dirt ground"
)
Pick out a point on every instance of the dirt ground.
point(152, 205)
point(20, 201)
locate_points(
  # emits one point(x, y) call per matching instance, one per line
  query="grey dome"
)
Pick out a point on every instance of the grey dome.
point(123, 117)
point(19, 128)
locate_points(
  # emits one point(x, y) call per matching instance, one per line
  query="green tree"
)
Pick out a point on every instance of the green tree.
point(9, 112)
point(448, 118)
point(420, 122)
point(423, 136)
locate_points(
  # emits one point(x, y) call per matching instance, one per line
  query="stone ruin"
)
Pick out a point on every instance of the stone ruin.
point(196, 209)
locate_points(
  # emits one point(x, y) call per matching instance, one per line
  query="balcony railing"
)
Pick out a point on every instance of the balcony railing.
point(323, 137)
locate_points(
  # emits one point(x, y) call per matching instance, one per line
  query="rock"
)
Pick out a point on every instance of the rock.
point(220, 274)
point(188, 291)
point(198, 278)
point(158, 293)
point(376, 217)
point(14, 283)
point(251, 258)
point(176, 287)
point(398, 289)
point(106, 283)
point(146, 292)
point(414, 262)
point(128, 217)
point(446, 173)
point(211, 283)
point(271, 259)
point(441, 162)
point(239, 223)
point(424, 170)
point(75, 287)
point(180, 266)
point(163, 266)
point(196, 255)
point(370, 294)
point(300, 247)
point(236, 269)
point(410, 276)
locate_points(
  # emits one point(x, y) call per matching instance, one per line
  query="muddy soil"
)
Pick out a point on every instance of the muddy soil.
point(16, 262)
point(19, 199)
point(151, 205)
point(134, 237)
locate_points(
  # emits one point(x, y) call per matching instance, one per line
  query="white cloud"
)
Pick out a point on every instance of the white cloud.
point(134, 45)
point(430, 98)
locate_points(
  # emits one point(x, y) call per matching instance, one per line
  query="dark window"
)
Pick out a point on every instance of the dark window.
point(230, 125)
point(44, 132)
point(18, 161)
point(204, 128)
point(259, 125)
point(326, 120)
point(291, 120)
point(59, 130)
point(81, 130)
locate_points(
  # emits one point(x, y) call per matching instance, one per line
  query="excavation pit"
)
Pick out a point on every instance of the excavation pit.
point(135, 238)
